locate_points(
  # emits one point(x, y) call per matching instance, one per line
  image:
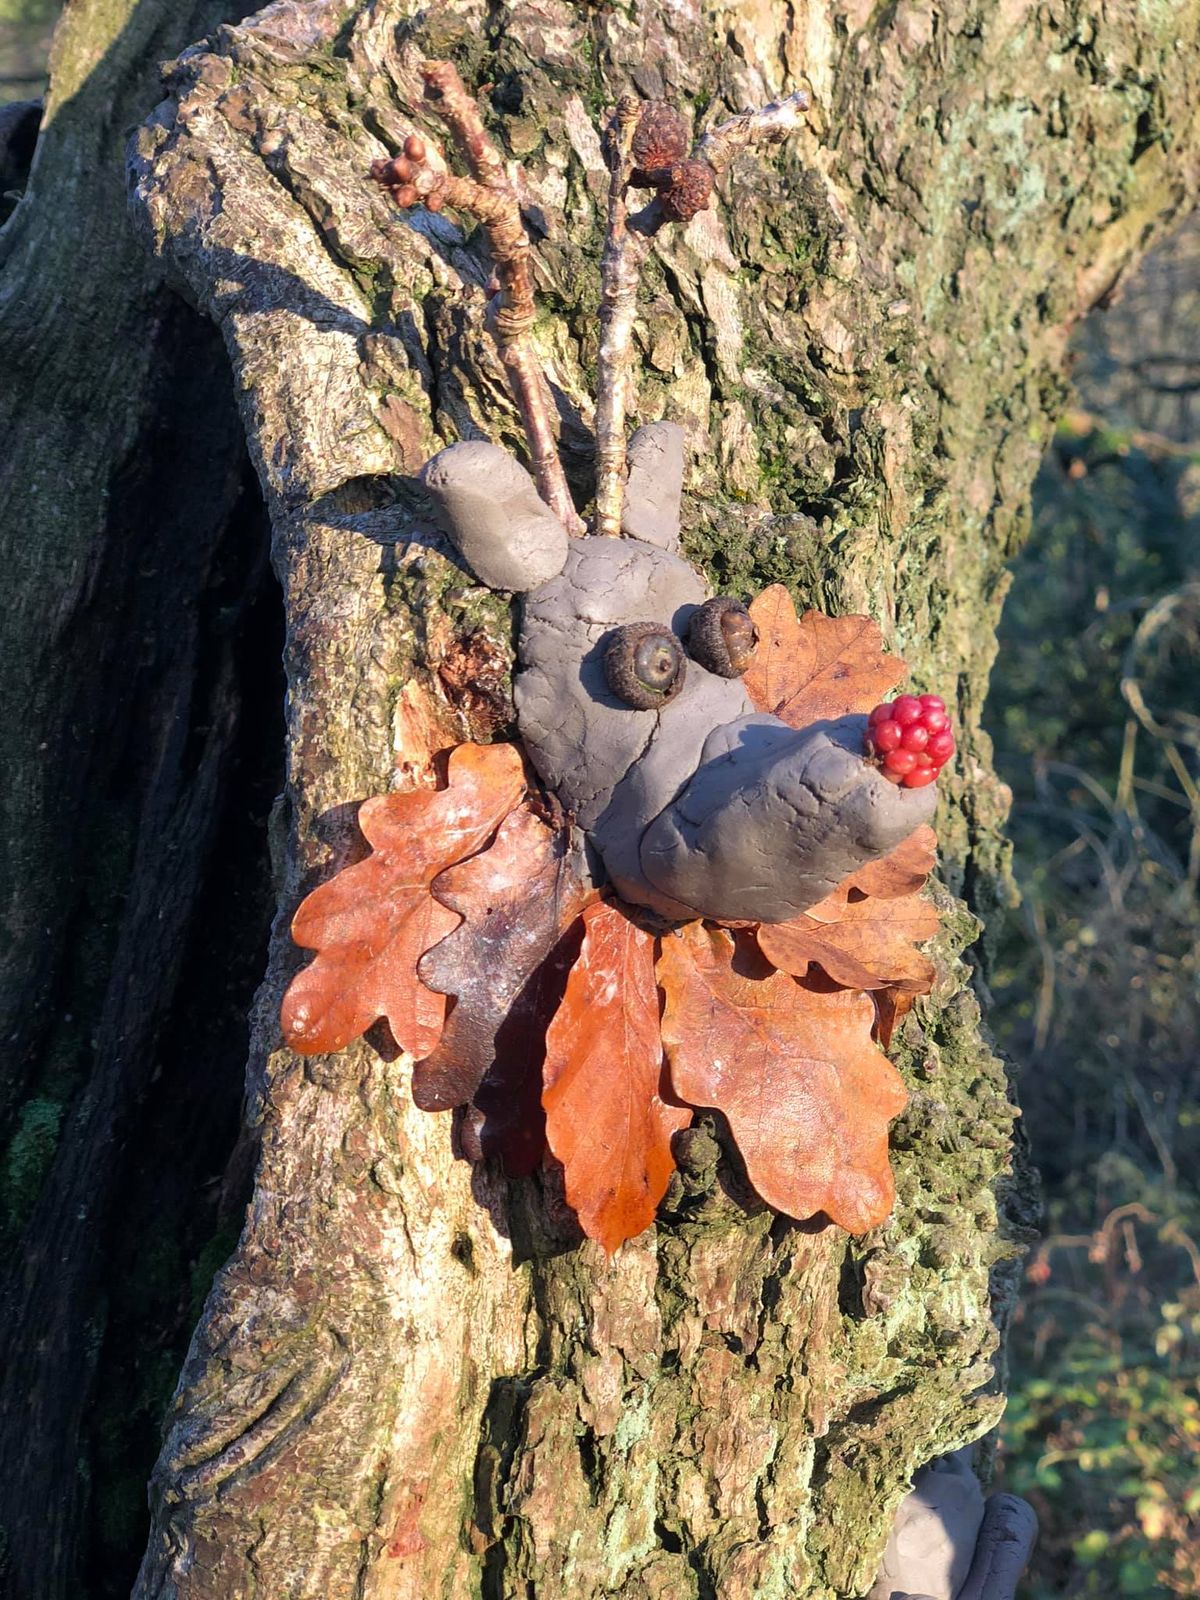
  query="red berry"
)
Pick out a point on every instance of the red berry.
point(919, 777)
point(909, 739)
point(406, 195)
point(941, 748)
point(900, 761)
point(414, 147)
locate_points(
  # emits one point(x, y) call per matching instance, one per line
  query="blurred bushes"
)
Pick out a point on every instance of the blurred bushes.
point(1095, 711)
point(25, 29)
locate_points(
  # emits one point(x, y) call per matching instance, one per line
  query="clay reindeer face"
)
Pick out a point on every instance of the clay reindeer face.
point(698, 805)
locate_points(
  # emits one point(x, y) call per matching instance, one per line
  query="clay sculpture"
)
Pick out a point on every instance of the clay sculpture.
point(580, 968)
point(630, 706)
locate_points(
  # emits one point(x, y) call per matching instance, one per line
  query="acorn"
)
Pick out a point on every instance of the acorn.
point(660, 142)
point(722, 636)
point(645, 665)
point(688, 189)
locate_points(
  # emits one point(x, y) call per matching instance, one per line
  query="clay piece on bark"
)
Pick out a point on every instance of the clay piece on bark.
point(502, 528)
point(701, 806)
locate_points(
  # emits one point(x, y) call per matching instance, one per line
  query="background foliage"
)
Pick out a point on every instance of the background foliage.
point(25, 28)
point(1096, 719)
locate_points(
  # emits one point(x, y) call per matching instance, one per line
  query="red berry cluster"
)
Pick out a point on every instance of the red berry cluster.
point(910, 739)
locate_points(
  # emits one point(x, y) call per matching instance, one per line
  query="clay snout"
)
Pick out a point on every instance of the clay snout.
point(774, 819)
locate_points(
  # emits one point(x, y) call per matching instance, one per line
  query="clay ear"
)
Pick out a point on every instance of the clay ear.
point(654, 486)
point(489, 507)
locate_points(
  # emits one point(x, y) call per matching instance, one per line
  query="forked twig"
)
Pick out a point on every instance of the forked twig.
point(489, 197)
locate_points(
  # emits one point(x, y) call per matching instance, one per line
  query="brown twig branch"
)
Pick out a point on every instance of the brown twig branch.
point(620, 266)
point(766, 126)
point(647, 147)
point(488, 196)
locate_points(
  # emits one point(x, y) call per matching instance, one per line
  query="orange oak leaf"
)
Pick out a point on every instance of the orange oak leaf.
point(807, 1094)
point(902, 872)
point(859, 943)
point(814, 667)
point(515, 899)
point(372, 922)
point(864, 934)
point(891, 1008)
point(605, 1120)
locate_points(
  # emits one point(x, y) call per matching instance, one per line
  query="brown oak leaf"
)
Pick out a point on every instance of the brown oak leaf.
point(807, 1094)
point(506, 1114)
point(901, 872)
point(605, 1120)
point(864, 934)
point(814, 667)
point(891, 1008)
point(372, 922)
point(515, 899)
point(861, 944)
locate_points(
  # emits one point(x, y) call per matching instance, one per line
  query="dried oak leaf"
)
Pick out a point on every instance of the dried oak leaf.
point(814, 667)
point(862, 943)
point(372, 922)
point(903, 871)
point(891, 1008)
point(515, 899)
point(807, 1094)
point(506, 1114)
point(605, 1119)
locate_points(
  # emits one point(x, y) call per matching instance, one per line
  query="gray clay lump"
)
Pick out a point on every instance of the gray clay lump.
point(701, 807)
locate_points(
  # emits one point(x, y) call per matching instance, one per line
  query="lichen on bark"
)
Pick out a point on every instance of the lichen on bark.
point(413, 1379)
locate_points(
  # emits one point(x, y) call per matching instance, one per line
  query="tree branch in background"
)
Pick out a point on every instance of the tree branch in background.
point(419, 175)
point(766, 126)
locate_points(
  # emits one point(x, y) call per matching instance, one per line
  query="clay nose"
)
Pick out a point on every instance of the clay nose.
point(773, 820)
point(829, 770)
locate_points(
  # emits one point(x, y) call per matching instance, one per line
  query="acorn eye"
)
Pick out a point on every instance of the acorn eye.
point(645, 664)
point(722, 636)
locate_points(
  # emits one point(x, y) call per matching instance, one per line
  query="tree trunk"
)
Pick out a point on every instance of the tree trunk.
point(412, 1379)
point(133, 546)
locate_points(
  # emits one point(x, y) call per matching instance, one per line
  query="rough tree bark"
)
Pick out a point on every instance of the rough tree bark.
point(131, 546)
point(412, 1379)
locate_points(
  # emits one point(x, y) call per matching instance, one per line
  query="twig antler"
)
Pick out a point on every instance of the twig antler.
point(420, 175)
point(618, 301)
point(647, 147)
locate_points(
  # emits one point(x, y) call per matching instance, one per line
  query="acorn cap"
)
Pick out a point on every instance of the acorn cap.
point(688, 190)
point(722, 636)
point(660, 141)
